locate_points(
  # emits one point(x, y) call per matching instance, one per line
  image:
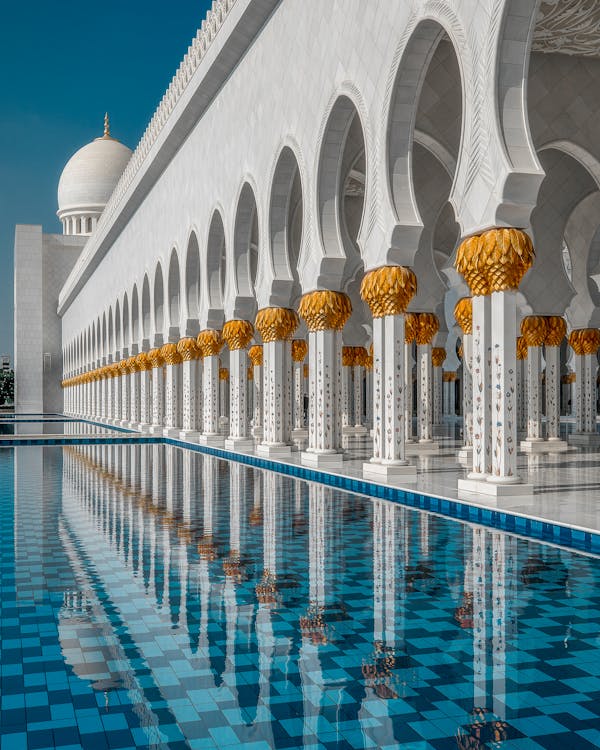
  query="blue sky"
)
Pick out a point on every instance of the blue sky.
point(62, 65)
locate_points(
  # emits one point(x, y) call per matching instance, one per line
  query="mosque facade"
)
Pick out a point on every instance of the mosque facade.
point(343, 218)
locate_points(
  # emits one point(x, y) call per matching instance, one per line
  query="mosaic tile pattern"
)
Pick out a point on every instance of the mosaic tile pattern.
point(156, 597)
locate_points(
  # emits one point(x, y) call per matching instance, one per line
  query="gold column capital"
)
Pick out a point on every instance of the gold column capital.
point(521, 347)
point(534, 329)
point(223, 373)
point(463, 312)
point(449, 376)
point(132, 364)
point(438, 356)
point(585, 340)
point(305, 371)
point(250, 373)
point(361, 356)
point(324, 310)
point(411, 326)
point(556, 330)
point(495, 261)
point(143, 361)
point(188, 349)
point(276, 323)
point(155, 358)
point(428, 326)
point(256, 355)
point(388, 290)
point(347, 356)
point(170, 354)
point(299, 350)
point(210, 342)
point(237, 334)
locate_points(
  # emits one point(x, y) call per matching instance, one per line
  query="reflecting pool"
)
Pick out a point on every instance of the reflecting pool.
point(54, 426)
point(156, 597)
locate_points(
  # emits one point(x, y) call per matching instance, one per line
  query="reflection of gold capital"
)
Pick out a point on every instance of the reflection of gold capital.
point(276, 323)
point(521, 348)
point(170, 354)
point(388, 290)
point(495, 261)
point(237, 334)
point(299, 350)
point(534, 329)
point(428, 326)
point(463, 312)
point(156, 358)
point(324, 310)
point(209, 342)
point(556, 330)
point(188, 349)
point(256, 355)
point(585, 340)
point(438, 356)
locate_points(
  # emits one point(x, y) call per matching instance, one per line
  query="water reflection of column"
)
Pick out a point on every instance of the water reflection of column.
point(237, 487)
point(209, 488)
point(479, 618)
point(189, 487)
point(172, 461)
point(499, 624)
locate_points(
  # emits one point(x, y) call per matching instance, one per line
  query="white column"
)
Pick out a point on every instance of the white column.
point(552, 393)
point(325, 364)
point(369, 397)
point(257, 384)
point(134, 397)
point(346, 379)
point(190, 370)
point(424, 394)
point(408, 392)
point(388, 400)
point(210, 401)
point(158, 390)
point(521, 396)
point(276, 431)
point(125, 394)
point(481, 358)
point(437, 395)
point(298, 370)
point(504, 404)
point(118, 387)
point(534, 387)
point(145, 398)
point(173, 399)
point(358, 396)
point(239, 438)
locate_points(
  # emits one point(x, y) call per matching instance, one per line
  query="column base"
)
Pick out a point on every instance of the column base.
point(156, 429)
point(331, 460)
point(239, 444)
point(257, 432)
point(281, 450)
point(533, 445)
point(143, 427)
point(494, 489)
point(213, 441)
point(354, 430)
point(421, 449)
point(191, 436)
point(299, 433)
point(172, 432)
point(584, 439)
point(407, 472)
point(465, 454)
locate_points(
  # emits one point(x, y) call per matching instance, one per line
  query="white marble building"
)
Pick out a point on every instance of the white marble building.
point(351, 161)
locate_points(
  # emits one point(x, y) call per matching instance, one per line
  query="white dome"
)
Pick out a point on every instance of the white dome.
point(91, 175)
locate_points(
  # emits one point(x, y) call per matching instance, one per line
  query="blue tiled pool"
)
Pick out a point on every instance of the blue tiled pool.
point(157, 597)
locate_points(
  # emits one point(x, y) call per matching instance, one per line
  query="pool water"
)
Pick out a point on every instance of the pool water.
point(54, 426)
point(156, 597)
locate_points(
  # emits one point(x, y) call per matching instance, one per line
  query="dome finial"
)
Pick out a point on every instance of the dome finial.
point(106, 126)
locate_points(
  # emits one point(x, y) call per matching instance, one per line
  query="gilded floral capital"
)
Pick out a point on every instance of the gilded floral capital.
point(250, 373)
point(210, 342)
point(361, 356)
point(534, 329)
point(276, 323)
point(521, 348)
point(299, 350)
point(449, 377)
point(188, 349)
point(324, 310)
point(388, 290)
point(495, 261)
point(223, 373)
point(556, 330)
point(411, 325)
point(143, 362)
point(460, 351)
point(132, 365)
point(256, 355)
point(170, 354)
point(155, 358)
point(438, 356)
point(305, 371)
point(428, 326)
point(463, 312)
point(237, 334)
point(347, 356)
point(585, 340)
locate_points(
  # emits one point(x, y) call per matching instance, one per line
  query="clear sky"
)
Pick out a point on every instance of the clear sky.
point(62, 65)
